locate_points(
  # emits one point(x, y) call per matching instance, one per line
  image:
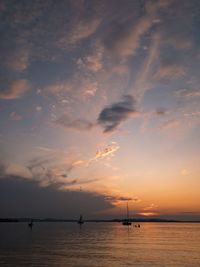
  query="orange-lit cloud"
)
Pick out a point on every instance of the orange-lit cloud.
point(106, 152)
point(148, 213)
point(15, 89)
point(151, 207)
point(80, 31)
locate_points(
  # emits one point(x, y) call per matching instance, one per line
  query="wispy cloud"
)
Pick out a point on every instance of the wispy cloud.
point(112, 116)
point(188, 93)
point(93, 61)
point(170, 71)
point(14, 116)
point(106, 152)
point(82, 30)
point(18, 59)
point(150, 207)
point(124, 37)
point(148, 213)
point(78, 86)
point(70, 123)
point(170, 124)
point(144, 80)
point(54, 167)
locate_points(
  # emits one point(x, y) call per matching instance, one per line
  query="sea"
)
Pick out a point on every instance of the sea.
point(99, 245)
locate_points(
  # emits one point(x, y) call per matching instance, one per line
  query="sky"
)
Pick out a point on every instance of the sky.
point(100, 105)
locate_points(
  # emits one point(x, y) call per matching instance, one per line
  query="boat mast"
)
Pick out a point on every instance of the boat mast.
point(127, 210)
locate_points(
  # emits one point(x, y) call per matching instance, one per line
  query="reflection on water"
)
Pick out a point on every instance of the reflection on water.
point(99, 244)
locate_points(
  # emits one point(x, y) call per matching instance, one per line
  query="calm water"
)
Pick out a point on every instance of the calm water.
point(99, 244)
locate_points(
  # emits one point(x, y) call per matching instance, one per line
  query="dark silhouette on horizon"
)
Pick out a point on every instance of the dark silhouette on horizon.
point(127, 220)
point(30, 225)
point(80, 221)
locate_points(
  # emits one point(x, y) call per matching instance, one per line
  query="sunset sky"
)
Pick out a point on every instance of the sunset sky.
point(100, 105)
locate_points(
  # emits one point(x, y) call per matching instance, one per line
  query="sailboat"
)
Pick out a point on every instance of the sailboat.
point(30, 225)
point(80, 221)
point(127, 220)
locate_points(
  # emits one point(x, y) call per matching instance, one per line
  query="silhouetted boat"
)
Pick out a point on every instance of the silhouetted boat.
point(127, 220)
point(30, 224)
point(80, 221)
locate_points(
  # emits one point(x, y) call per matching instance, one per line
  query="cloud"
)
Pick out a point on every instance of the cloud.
point(124, 37)
point(118, 198)
point(124, 40)
point(15, 89)
point(45, 149)
point(38, 108)
point(179, 35)
point(21, 197)
point(170, 71)
point(54, 167)
point(106, 152)
point(71, 123)
point(57, 87)
point(161, 111)
point(150, 207)
point(78, 86)
point(170, 124)
point(14, 116)
point(93, 61)
point(148, 213)
point(192, 114)
point(88, 88)
point(18, 59)
point(111, 117)
point(82, 30)
point(120, 69)
point(42, 195)
point(188, 93)
point(185, 172)
point(144, 79)
point(45, 34)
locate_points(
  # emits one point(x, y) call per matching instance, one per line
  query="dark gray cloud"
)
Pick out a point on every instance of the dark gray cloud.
point(120, 198)
point(43, 194)
point(70, 123)
point(21, 197)
point(111, 117)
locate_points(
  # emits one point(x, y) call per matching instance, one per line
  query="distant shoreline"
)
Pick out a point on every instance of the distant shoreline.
point(157, 220)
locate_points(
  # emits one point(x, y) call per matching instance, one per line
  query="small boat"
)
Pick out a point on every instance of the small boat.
point(30, 225)
point(127, 220)
point(80, 221)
